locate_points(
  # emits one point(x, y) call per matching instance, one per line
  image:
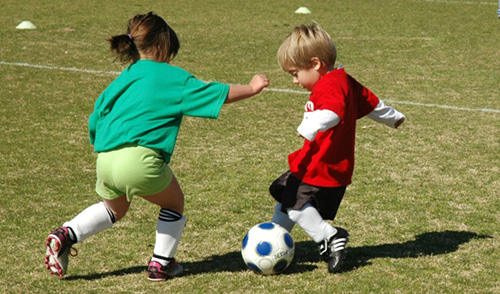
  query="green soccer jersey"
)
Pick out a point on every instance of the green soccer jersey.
point(145, 106)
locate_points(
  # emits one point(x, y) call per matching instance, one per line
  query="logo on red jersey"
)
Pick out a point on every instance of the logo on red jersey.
point(309, 106)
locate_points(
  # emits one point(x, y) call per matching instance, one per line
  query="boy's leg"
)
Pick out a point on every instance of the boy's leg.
point(331, 240)
point(296, 196)
point(309, 219)
point(92, 220)
point(281, 189)
point(282, 219)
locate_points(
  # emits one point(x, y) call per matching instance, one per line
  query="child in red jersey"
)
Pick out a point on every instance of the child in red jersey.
point(311, 191)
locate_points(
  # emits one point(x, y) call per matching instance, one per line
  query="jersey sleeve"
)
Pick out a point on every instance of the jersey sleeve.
point(326, 110)
point(203, 99)
point(332, 100)
point(315, 121)
point(94, 118)
point(92, 127)
point(367, 101)
point(386, 115)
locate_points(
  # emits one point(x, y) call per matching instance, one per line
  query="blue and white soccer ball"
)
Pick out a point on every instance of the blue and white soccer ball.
point(267, 249)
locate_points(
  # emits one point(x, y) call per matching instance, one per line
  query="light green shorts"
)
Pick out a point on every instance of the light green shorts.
point(132, 170)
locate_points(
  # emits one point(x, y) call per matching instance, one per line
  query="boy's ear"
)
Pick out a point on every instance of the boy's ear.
point(316, 63)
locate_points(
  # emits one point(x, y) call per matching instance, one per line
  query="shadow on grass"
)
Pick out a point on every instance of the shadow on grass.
point(433, 243)
point(426, 244)
point(96, 276)
point(229, 262)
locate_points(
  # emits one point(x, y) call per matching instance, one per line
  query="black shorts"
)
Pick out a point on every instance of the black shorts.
point(294, 194)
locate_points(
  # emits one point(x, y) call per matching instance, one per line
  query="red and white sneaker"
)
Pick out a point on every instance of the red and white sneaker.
point(158, 272)
point(58, 250)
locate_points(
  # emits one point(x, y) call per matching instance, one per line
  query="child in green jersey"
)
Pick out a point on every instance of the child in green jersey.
point(133, 128)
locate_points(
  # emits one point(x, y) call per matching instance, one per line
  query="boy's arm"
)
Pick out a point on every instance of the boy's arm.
point(315, 121)
point(387, 115)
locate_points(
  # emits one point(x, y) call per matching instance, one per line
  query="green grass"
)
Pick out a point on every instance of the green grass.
point(423, 209)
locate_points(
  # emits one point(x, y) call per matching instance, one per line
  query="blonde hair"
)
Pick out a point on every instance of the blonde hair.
point(304, 43)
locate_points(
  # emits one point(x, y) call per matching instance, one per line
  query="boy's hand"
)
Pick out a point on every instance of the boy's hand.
point(258, 83)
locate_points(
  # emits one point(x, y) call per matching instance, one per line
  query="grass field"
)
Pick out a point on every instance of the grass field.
point(423, 209)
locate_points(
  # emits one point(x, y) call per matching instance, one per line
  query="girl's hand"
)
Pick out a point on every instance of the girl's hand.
point(258, 83)
point(240, 92)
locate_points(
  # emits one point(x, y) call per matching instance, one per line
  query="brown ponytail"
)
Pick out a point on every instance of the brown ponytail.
point(148, 34)
point(124, 47)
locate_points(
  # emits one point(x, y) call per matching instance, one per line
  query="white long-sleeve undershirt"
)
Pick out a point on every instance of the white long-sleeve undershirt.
point(323, 119)
point(315, 121)
point(385, 114)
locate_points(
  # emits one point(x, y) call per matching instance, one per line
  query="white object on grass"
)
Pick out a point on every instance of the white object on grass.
point(303, 10)
point(26, 25)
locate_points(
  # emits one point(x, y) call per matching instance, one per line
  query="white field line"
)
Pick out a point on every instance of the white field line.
point(403, 102)
point(461, 2)
point(60, 68)
point(115, 73)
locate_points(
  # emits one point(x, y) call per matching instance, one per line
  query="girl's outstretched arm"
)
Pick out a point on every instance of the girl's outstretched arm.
point(240, 92)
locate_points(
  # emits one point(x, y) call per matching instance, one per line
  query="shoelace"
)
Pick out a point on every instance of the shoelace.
point(73, 251)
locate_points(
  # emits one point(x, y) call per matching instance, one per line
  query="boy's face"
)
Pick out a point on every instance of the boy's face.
point(307, 78)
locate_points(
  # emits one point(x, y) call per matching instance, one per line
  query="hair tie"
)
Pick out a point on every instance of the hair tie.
point(129, 36)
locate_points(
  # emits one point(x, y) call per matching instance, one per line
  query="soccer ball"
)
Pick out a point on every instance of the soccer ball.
point(267, 249)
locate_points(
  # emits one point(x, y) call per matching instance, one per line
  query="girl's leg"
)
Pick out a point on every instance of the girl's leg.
point(171, 198)
point(169, 230)
point(92, 220)
point(118, 206)
point(97, 218)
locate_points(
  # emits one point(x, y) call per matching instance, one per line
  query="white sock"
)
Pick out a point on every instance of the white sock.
point(90, 221)
point(309, 219)
point(168, 234)
point(282, 218)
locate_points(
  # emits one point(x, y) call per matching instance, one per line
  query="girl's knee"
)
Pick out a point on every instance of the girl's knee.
point(119, 214)
point(117, 207)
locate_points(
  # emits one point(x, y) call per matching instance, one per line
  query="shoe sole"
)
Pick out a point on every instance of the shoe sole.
point(174, 273)
point(157, 280)
point(51, 257)
point(163, 279)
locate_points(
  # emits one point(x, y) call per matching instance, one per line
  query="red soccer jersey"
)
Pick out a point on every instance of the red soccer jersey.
point(328, 160)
